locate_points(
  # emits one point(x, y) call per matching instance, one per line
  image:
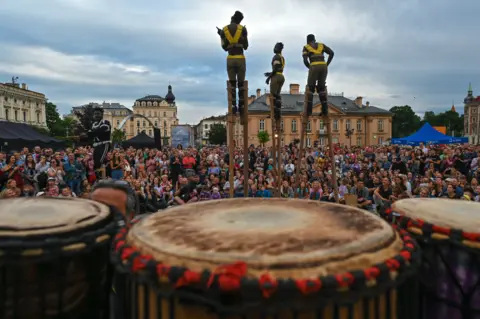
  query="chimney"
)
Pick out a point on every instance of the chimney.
point(24, 86)
point(258, 93)
point(367, 104)
point(358, 101)
point(294, 88)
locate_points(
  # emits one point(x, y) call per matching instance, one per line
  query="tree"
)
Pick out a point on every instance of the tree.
point(450, 119)
point(217, 134)
point(404, 121)
point(263, 137)
point(85, 119)
point(118, 136)
point(52, 115)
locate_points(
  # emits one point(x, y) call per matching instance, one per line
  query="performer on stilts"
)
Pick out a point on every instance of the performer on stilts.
point(314, 60)
point(235, 42)
point(100, 134)
point(276, 79)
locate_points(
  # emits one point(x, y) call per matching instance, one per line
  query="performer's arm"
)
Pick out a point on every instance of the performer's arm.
point(305, 58)
point(106, 127)
point(245, 38)
point(276, 64)
point(224, 41)
point(330, 53)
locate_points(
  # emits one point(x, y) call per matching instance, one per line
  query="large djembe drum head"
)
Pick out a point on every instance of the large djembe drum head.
point(256, 257)
point(449, 233)
point(53, 257)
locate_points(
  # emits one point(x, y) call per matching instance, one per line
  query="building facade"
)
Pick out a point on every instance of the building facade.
point(202, 128)
point(367, 124)
point(471, 114)
point(21, 105)
point(161, 111)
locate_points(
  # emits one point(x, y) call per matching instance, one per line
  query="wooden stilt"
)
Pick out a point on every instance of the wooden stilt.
point(246, 162)
point(279, 151)
point(276, 191)
point(332, 159)
point(231, 146)
point(303, 132)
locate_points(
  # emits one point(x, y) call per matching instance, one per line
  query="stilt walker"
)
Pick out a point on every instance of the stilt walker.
point(276, 80)
point(314, 60)
point(100, 137)
point(234, 40)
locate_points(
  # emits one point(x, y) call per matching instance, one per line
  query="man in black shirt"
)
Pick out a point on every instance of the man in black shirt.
point(188, 193)
point(383, 193)
point(400, 166)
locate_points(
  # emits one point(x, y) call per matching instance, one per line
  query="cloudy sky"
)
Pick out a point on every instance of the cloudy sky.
point(417, 52)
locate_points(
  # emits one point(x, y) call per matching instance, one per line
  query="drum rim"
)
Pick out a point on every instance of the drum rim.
point(102, 209)
point(129, 259)
point(425, 229)
point(376, 244)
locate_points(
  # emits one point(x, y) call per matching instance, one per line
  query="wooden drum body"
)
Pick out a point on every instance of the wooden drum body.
point(448, 232)
point(264, 258)
point(54, 258)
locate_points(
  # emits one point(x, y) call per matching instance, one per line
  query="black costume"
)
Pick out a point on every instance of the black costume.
point(99, 135)
point(276, 79)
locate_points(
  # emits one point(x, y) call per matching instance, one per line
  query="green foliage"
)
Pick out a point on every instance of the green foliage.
point(56, 125)
point(263, 137)
point(85, 119)
point(118, 136)
point(217, 134)
point(452, 120)
point(52, 115)
point(404, 122)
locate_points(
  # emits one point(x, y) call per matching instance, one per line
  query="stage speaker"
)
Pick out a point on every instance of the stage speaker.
point(158, 138)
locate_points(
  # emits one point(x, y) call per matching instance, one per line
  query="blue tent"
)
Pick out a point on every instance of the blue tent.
point(427, 134)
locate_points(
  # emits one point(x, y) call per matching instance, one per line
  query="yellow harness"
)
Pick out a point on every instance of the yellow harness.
point(233, 41)
point(318, 52)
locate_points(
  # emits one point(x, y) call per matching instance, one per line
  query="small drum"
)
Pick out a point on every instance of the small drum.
point(265, 258)
point(449, 233)
point(54, 258)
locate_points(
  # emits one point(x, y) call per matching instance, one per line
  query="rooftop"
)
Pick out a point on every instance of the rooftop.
point(151, 98)
point(106, 106)
point(293, 103)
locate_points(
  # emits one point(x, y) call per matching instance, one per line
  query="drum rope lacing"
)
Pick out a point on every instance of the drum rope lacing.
point(233, 277)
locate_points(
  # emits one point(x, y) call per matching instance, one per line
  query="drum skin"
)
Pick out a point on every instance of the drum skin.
point(449, 234)
point(53, 257)
point(251, 258)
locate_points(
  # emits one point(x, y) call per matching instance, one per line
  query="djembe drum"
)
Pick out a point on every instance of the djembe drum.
point(448, 232)
point(54, 258)
point(256, 258)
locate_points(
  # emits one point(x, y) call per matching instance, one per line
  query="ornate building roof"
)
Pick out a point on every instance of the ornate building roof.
point(151, 98)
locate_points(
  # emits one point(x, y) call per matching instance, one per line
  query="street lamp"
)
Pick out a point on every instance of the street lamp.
point(349, 133)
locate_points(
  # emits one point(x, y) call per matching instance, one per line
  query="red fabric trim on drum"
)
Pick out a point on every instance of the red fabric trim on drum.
point(308, 286)
point(229, 277)
point(268, 285)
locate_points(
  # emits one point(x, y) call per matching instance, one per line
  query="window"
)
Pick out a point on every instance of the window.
point(281, 125)
point(335, 140)
point(164, 114)
point(347, 124)
point(16, 115)
point(165, 132)
point(309, 141)
point(138, 123)
point(335, 125)
point(144, 124)
point(6, 114)
point(380, 125)
point(150, 132)
point(322, 141)
point(38, 117)
point(174, 114)
point(262, 125)
point(309, 126)
point(206, 126)
point(156, 123)
point(149, 113)
point(165, 124)
point(24, 116)
point(322, 125)
point(294, 125)
point(359, 141)
point(282, 142)
point(359, 125)
point(125, 130)
point(380, 140)
point(118, 122)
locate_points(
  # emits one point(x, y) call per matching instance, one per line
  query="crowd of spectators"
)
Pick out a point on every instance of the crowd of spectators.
point(375, 175)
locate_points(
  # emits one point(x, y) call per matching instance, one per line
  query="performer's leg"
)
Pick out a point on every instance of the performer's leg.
point(100, 154)
point(311, 88)
point(322, 88)
point(232, 78)
point(242, 69)
point(275, 89)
